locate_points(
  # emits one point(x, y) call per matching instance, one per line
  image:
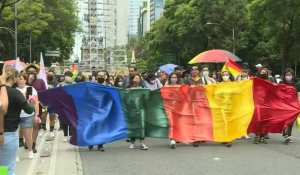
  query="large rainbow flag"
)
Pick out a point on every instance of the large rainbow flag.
point(220, 112)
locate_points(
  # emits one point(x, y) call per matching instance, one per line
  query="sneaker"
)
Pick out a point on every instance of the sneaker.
point(52, 135)
point(256, 140)
point(228, 144)
point(143, 146)
point(263, 140)
point(100, 148)
point(288, 140)
point(65, 139)
point(17, 159)
point(59, 129)
point(131, 146)
point(247, 137)
point(172, 144)
point(30, 155)
point(196, 144)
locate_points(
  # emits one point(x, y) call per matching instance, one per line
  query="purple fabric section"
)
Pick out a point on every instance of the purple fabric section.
point(64, 106)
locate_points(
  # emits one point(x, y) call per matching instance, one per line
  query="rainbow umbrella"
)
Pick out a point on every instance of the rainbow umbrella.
point(214, 56)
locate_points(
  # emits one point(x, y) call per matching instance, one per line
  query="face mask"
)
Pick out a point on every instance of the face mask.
point(288, 78)
point(152, 81)
point(50, 78)
point(68, 79)
point(205, 73)
point(173, 80)
point(225, 78)
point(263, 76)
point(101, 80)
point(244, 75)
point(120, 83)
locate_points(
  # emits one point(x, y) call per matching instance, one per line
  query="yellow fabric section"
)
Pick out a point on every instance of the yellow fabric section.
point(232, 107)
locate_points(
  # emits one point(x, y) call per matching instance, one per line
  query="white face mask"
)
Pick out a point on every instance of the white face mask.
point(68, 79)
point(225, 78)
point(153, 81)
point(173, 80)
point(205, 73)
point(120, 83)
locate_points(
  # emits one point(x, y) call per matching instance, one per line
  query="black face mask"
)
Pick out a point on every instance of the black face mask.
point(50, 78)
point(263, 76)
point(101, 80)
point(77, 80)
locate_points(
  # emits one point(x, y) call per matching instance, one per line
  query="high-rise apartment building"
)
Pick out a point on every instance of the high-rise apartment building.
point(156, 10)
point(133, 17)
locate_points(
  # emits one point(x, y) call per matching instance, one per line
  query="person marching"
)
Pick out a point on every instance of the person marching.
point(32, 70)
point(289, 78)
point(17, 102)
point(135, 81)
point(28, 121)
point(173, 81)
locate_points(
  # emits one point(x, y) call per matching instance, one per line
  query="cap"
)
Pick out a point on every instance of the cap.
point(258, 65)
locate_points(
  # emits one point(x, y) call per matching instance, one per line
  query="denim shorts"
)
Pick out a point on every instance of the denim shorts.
point(8, 151)
point(27, 122)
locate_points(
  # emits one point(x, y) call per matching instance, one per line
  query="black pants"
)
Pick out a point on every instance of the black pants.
point(288, 131)
point(66, 128)
point(132, 139)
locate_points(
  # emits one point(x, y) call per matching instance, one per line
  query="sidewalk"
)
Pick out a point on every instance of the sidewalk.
point(64, 158)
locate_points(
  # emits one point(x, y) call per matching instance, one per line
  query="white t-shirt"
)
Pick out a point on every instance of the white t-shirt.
point(23, 91)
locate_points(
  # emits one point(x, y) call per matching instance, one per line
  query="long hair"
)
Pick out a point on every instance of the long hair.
point(131, 83)
point(290, 70)
point(10, 71)
point(118, 78)
point(169, 77)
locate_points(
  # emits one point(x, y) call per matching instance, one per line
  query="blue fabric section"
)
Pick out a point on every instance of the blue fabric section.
point(100, 118)
point(100, 115)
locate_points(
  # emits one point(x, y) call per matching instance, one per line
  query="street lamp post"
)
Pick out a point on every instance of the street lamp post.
point(232, 30)
point(16, 32)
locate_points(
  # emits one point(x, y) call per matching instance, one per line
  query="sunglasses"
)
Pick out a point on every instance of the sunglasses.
point(194, 69)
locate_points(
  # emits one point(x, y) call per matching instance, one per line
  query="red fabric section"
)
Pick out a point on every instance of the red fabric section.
point(276, 107)
point(188, 113)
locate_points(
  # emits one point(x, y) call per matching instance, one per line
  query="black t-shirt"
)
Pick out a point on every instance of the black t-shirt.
point(16, 101)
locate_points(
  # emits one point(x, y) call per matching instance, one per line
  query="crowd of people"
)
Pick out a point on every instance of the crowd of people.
point(22, 116)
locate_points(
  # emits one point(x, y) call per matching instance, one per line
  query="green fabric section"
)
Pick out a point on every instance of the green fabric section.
point(134, 108)
point(3, 170)
point(156, 120)
point(144, 112)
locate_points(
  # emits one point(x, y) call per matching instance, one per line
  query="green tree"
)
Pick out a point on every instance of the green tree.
point(276, 25)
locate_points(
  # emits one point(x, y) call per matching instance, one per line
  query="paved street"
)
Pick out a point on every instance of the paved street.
point(242, 158)
point(210, 158)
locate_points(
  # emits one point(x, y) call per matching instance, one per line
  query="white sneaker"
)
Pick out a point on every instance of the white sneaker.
point(143, 146)
point(131, 146)
point(65, 139)
point(30, 155)
point(52, 135)
point(17, 159)
point(172, 144)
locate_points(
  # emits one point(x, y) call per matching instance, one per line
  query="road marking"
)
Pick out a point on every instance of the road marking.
point(36, 155)
point(51, 169)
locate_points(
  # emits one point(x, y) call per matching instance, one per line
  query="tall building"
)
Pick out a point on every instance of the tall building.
point(133, 17)
point(122, 22)
point(156, 10)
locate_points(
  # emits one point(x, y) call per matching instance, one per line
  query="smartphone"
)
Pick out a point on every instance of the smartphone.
point(28, 92)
